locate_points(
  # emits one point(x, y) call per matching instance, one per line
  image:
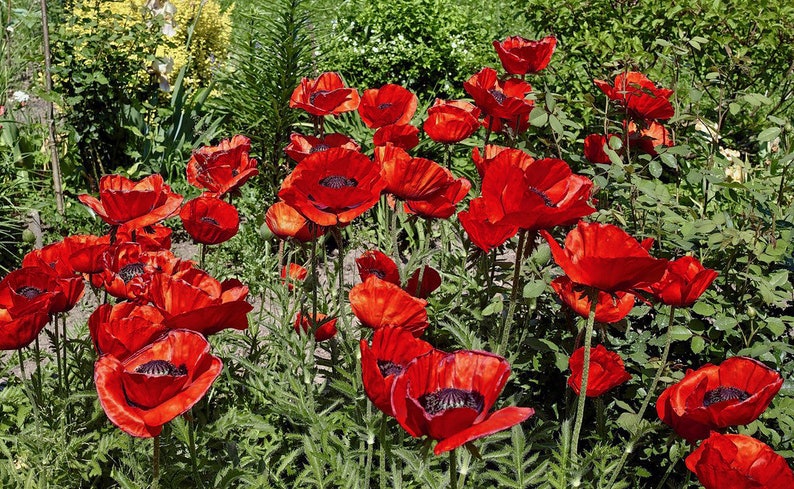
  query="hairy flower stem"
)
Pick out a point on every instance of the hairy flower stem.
point(648, 396)
point(56, 343)
point(511, 308)
point(191, 433)
point(385, 451)
point(156, 462)
point(453, 469)
point(37, 382)
point(202, 255)
point(588, 340)
point(394, 247)
point(314, 270)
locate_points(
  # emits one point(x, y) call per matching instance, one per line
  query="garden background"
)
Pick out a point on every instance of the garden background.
point(135, 89)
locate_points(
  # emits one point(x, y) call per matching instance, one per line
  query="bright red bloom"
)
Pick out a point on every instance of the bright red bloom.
point(443, 204)
point(209, 220)
point(20, 325)
point(285, 222)
point(54, 261)
point(301, 146)
point(151, 238)
point(127, 270)
point(325, 326)
point(296, 273)
point(195, 300)
point(326, 95)
point(410, 178)
point(123, 202)
point(123, 329)
point(605, 257)
point(611, 307)
point(392, 349)
point(451, 121)
point(389, 104)
point(647, 139)
point(520, 56)
point(594, 149)
point(606, 371)
point(739, 462)
point(375, 262)
point(431, 280)
point(30, 288)
point(333, 187)
point(377, 303)
point(683, 283)
point(404, 136)
point(534, 194)
point(484, 234)
point(160, 382)
point(504, 100)
point(714, 397)
point(639, 96)
point(224, 168)
point(448, 396)
point(483, 161)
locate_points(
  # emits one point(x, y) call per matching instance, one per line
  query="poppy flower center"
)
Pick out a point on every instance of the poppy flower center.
point(161, 368)
point(542, 195)
point(722, 394)
point(130, 271)
point(209, 220)
point(235, 172)
point(318, 148)
point(338, 181)
point(315, 94)
point(451, 398)
point(29, 292)
point(385, 105)
point(377, 273)
point(498, 95)
point(389, 368)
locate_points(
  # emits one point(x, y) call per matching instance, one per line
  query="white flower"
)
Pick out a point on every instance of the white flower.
point(20, 97)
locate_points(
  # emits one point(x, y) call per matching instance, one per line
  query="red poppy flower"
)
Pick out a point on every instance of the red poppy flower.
point(151, 238)
point(20, 325)
point(448, 396)
point(647, 139)
point(410, 178)
point(392, 349)
point(594, 149)
point(504, 100)
point(296, 273)
point(534, 194)
point(430, 281)
point(443, 204)
point(484, 234)
point(683, 283)
point(32, 287)
point(160, 382)
point(605, 257)
point(639, 96)
point(606, 371)
point(325, 326)
point(713, 397)
point(195, 300)
point(285, 222)
point(482, 161)
point(451, 121)
point(611, 307)
point(520, 56)
point(333, 187)
point(123, 202)
point(53, 260)
point(209, 220)
point(301, 146)
point(739, 462)
point(126, 269)
point(377, 303)
point(389, 104)
point(324, 96)
point(404, 136)
point(122, 329)
point(224, 168)
point(375, 262)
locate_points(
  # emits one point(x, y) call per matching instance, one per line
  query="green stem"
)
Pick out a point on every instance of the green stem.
point(511, 308)
point(588, 340)
point(37, 382)
point(648, 396)
point(453, 469)
point(156, 462)
point(385, 451)
point(202, 255)
point(57, 345)
point(66, 385)
point(394, 249)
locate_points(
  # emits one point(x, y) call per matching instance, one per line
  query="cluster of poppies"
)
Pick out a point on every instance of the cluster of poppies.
point(154, 360)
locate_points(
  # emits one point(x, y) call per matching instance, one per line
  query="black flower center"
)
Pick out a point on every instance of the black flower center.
point(130, 271)
point(722, 394)
point(209, 220)
point(378, 273)
point(319, 147)
point(161, 368)
point(29, 292)
point(315, 94)
point(385, 105)
point(389, 368)
point(235, 172)
point(498, 95)
point(542, 195)
point(338, 181)
point(451, 398)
